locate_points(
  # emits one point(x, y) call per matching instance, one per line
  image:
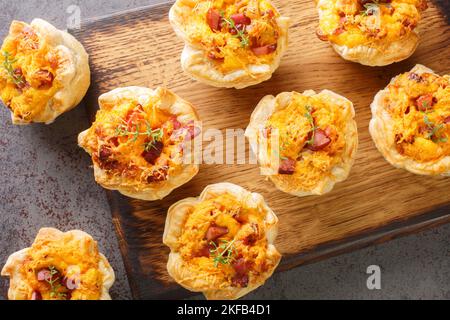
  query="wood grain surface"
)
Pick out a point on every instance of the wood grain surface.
point(376, 203)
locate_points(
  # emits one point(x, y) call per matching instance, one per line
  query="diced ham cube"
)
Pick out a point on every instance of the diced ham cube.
point(214, 232)
point(321, 140)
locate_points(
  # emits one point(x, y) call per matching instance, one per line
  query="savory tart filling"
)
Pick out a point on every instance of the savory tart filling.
point(142, 144)
point(59, 266)
point(354, 23)
point(223, 237)
point(419, 107)
point(232, 34)
point(28, 73)
point(312, 139)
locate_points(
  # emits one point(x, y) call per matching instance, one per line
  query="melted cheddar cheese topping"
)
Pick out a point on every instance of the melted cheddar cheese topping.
point(233, 34)
point(28, 67)
point(419, 106)
point(74, 270)
point(360, 22)
point(141, 144)
point(311, 134)
point(217, 227)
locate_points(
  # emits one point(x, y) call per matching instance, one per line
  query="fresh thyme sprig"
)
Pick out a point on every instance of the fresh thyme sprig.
point(310, 118)
point(434, 130)
point(8, 65)
point(222, 254)
point(155, 136)
point(370, 8)
point(54, 283)
point(240, 34)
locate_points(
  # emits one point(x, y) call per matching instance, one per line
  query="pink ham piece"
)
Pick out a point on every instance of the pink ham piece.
point(36, 295)
point(45, 78)
point(415, 77)
point(214, 232)
point(259, 51)
point(251, 239)
point(176, 124)
point(242, 19)
point(70, 283)
point(321, 141)
point(44, 275)
point(287, 166)
point(447, 120)
point(104, 153)
point(240, 218)
point(192, 131)
point(424, 102)
point(270, 13)
point(154, 152)
point(213, 18)
point(203, 252)
point(240, 281)
point(240, 266)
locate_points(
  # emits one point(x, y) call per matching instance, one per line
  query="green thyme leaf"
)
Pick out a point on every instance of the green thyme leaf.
point(240, 34)
point(8, 66)
point(54, 284)
point(310, 118)
point(433, 130)
point(155, 136)
point(223, 254)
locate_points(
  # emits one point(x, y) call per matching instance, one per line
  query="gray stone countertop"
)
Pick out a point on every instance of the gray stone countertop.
point(46, 180)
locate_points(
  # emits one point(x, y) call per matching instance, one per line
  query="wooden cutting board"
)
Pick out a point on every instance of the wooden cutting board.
point(376, 203)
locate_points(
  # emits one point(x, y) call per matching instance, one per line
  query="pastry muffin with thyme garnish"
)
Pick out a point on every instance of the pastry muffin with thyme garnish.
point(44, 72)
point(59, 266)
point(305, 143)
point(411, 122)
point(371, 32)
point(222, 243)
point(236, 43)
point(140, 142)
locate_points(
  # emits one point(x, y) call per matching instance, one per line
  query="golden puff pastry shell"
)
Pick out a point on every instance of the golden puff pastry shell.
point(338, 173)
point(195, 63)
point(381, 130)
point(72, 75)
point(19, 286)
point(192, 280)
point(170, 103)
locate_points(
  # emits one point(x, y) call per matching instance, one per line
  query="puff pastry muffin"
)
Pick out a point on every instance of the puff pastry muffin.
point(139, 140)
point(411, 122)
point(44, 72)
point(222, 243)
point(59, 266)
point(233, 43)
point(373, 33)
point(305, 143)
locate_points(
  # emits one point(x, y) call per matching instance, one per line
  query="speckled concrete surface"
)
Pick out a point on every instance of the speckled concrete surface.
point(45, 180)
